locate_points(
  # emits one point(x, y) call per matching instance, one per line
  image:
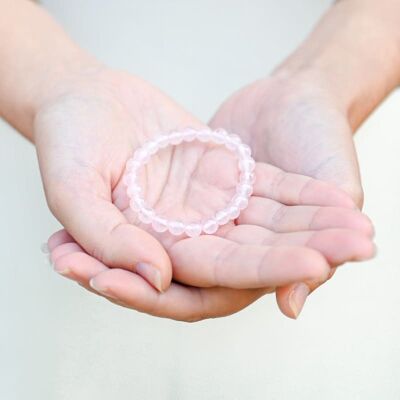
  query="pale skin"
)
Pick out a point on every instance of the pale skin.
point(302, 222)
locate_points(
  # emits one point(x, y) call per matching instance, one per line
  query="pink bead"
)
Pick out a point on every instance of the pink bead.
point(222, 217)
point(190, 135)
point(241, 202)
point(145, 217)
point(159, 224)
point(244, 150)
point(247, 177)
point(210, 227)
point(133, 190)
point(136, 204)
point(203, 136)
point(245, 190)
point(233, 212)
point(176, 139)
point(176, 227)
point(193, 230)
point(247, 165)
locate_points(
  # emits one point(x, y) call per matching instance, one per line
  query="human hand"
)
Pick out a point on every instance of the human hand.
point(295, 124)
point(84, 136)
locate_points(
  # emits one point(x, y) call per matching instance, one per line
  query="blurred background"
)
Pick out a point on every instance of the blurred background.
point(59, 342)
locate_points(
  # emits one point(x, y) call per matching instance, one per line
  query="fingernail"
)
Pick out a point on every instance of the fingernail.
point(44, 248)
point(298, 297)
point(62, 271)
point(101, 289)
point(150, 273)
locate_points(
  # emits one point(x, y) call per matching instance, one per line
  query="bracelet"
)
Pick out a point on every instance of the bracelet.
point(209, 226)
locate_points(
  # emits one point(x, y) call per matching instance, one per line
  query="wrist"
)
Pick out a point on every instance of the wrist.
point(353, 54)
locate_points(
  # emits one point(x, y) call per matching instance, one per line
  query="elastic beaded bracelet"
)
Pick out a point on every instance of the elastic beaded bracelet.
point(239, 201)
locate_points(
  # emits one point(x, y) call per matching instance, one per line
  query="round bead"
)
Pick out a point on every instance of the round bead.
point(229, 145)
point(159, 224)
point(193, 230)
point(247, 165)
point(222, 217)
point(233, 212)
point(244, 150)
point(190, 135)
point(176, 139)
point(203, 136)
point(247, 177)
point(134, 190)
point(162, 141)
point(210, 227)
point(241, 202)
point(176, 227)
point(145, 217)
point(245, 189)
point(136, 204)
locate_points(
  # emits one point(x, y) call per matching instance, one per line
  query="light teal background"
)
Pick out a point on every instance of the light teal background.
point(58, 342)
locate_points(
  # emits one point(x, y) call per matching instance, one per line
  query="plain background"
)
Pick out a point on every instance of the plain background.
point(58, 342)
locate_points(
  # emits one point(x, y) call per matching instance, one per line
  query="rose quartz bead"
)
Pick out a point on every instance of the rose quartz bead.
point(136, 204)
point(133, 190)
point(245, 190)
point(146, 215)
point(210, 227)
point(159, 224)
point(222, 217)
point(176, 139)
point(233, 212)
point(247, 177)
point(244, 150)
point(162, 142)
point(240, 201)
point(152, 148)
point(203, 136)
point(229, 144)
point(190, 135)
point(247, 165)
point(193, 230)
point(176, 227)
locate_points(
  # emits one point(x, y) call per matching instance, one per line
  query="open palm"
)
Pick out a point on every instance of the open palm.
point(294, 229)
point(295, 125)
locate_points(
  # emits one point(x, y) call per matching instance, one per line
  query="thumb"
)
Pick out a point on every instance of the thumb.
point(103, 231)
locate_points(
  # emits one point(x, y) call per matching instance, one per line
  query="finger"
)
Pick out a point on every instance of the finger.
point(130, 290)
point(178, 302)
point(57, 238)
point(280, 218)
point(291, 298)
point(336, 245)
point(65, 248)
point(292, 189)
point(102, 230)
point(208, 261)
point(72, 262)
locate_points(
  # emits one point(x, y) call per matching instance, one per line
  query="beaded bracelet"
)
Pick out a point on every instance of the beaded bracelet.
point(239, 201)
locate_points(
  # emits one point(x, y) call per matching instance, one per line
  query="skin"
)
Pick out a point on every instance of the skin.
point(86, 120)
point(286, 235)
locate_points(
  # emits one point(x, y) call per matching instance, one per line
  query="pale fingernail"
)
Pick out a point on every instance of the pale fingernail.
point(150, 273)
point(44, 248)
point(101, 289)
point(298, 297)
point(62, 270)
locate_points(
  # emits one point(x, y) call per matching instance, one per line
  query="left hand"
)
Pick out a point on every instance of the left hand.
point(295, 124)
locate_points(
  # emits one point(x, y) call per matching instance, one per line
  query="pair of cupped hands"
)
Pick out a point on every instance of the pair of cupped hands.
point(303, 219)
